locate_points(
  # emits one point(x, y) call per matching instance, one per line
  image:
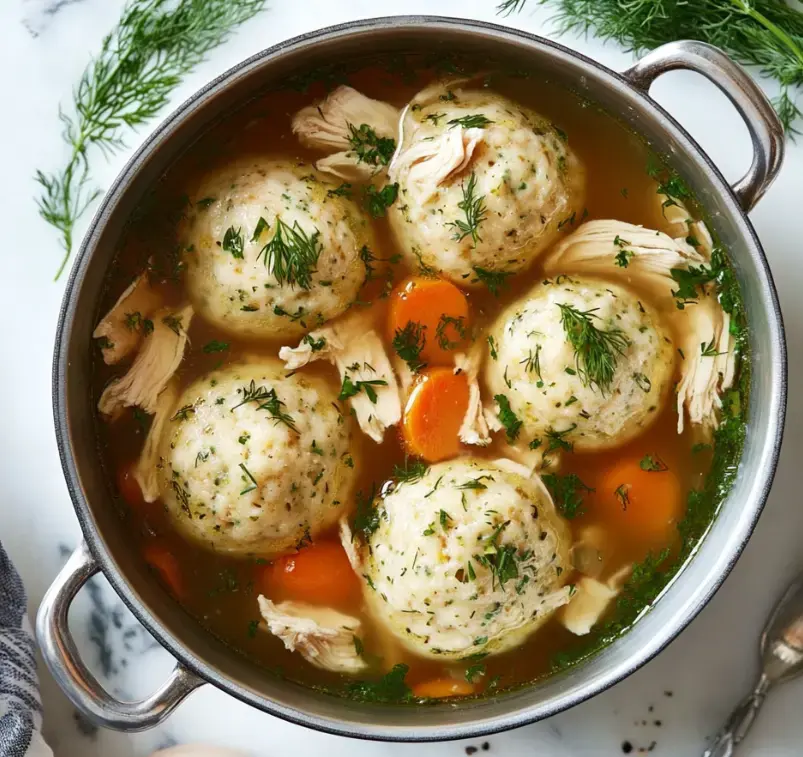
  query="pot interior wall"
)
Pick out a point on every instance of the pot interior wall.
point(106, 531)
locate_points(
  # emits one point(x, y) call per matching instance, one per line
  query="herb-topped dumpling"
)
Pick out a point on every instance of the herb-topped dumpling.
point(581, 361)
point(272, 248)
point(469, 558)
point(485, 185)
point(256, 461)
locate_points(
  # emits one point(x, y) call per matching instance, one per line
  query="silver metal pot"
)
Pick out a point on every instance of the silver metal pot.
point(199, 656)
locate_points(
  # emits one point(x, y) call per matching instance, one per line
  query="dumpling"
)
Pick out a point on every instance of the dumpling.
point(255, 461)
point(483, 184)
point(580, 360)
point(272, 249)
point(468, 559)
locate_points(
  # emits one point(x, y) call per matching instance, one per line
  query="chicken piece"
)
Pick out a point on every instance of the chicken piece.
point(322, 636)
point(334, 125)
point(154, 366)
point(588, 551)
point(354, 347)
point(474, 429)
point(128, 320)
point(146, 471)
point(702, 327)
point(590, 601)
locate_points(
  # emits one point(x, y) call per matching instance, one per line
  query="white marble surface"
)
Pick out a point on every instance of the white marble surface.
point(707, 668)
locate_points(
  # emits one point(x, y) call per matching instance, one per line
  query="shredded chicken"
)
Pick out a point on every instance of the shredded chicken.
point(322, 636)
point(354, 347)
point(328, 126)
point(158, 359)
point(124, 325)
point(702, 326)
point(347, 540)
point(588, 551)
point(474, 429)
point(434, 162)
point(146, 472)
point(590, 601)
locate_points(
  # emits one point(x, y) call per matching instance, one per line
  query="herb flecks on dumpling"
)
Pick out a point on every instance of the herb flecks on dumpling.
point(360, 133)
point(485, 185)
point(272, 249)
point(579, 364)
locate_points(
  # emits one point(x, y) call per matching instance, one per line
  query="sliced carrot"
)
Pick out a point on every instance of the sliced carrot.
point(128, 486)
point(643, 503)
point(165, 563)
point(441, 688)
point(439, 308)
point(318, 574)
point(434, 414)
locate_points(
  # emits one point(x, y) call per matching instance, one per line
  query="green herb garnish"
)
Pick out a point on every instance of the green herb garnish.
point(377, 201)
point(474, 210)
point(249, 487)
point(366, 518)
point(653, 464)
point(495, 281)
point(233, 242)
point(390, 688)
point(369, 147)
point(568, 492)
point(292, 254)
point(508, 418)
point(266, 400)
point(409, 342)
point(474, 121)
point(410, 472)
point(215, 346)
point(352, 388)
point(261, 226)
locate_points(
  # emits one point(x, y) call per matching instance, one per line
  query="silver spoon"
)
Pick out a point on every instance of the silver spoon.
point(781, 660)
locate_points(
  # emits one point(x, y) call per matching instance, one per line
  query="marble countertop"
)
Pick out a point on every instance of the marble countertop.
point(676, 701)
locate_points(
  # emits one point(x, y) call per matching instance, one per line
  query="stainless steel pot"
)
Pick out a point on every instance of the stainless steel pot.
point(200, 657)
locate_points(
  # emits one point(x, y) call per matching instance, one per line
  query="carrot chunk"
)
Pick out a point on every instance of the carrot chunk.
point(646, 504)
point(441, 688)
point(129, 488)
point(319, 574)
point(436, 309)
point(164, 562)
point(434, 414)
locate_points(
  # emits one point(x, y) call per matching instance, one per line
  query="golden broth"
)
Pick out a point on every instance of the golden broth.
point(221, 592)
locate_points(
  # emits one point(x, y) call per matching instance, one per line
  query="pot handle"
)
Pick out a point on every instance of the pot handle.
point(763, 124)
point(81, 687)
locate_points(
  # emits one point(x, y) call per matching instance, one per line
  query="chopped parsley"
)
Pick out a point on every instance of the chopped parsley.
point(390, 688)
point(377, 201)
point(369, 147)
point(508, 418)
point(653, 464)
point(233, 242)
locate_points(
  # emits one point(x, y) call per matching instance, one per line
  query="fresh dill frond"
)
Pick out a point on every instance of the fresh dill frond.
point(377, 201)
point(410, 471)
point(352, 388)
point(215, 346)
point(495, 281)
point(474, 121)
point(455, 325)
point(291, 255)
point(767, 34)
point(473, 208)
point(390, 688)
point(408, 342)
point(568, 492)
point(369, 147)
point(265, 399)
point(233, 242)
point(596, 350)
point(508, 418)
point(557, 440)
point(366, 517)
point(141, 61)
point(532, 363)
point(251, 482)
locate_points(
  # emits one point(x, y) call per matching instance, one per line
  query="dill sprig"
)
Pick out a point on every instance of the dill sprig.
point(767, 34)
point(266, 399)
point(369, 146)
point(141, 61)
point(408, 342)
point(596, 351)
point(292, 254)
point(473, 208)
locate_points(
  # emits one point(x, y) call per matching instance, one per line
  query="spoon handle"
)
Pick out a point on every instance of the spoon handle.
point(740, 721)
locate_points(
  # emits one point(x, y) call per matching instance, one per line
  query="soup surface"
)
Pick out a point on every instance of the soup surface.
point(600, 500)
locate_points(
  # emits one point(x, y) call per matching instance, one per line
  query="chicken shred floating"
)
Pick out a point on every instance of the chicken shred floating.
point(354, 347)
point(338, 123)
point(702, 327)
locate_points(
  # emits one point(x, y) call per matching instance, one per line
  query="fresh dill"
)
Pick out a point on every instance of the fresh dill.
point(474, 121)
point(455, 325)
point(709, 349)
point(183, 413)
point(476, 483)
point(315, 345)
point(366, 517)
point(494, 281)
point(532, 363)
point(265, 399)
point(596, 350)
point(390, 688)
point(410, 471)
point(473, 672)
point(352, 388)
point(253, 482)
point(233, 242)
point(173, 323)
point(262, 225)
point(568, 492)
point(292, 254)
point(474, 210)
point(369, 147)
point(767, 34)
point(140, 62)
point(377, 201)
point(492, 348)
point(500, 560)
point(557, 441)
point(215, 346)
point(622, 493)
point(508, 418)
point(653, 464)
point(344, 190)
point(408, 342)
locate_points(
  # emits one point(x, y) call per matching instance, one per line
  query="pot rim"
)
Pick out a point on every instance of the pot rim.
point(522, 716)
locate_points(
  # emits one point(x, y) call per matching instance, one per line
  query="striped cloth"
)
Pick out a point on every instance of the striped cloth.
point(20, 706)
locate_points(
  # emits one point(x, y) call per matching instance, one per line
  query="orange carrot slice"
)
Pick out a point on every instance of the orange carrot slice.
point(436, 307)
point(434, 414)
point(318, 574)
point(643, 503)
point(166, 565)
point(128, 486)
point(441, 688)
